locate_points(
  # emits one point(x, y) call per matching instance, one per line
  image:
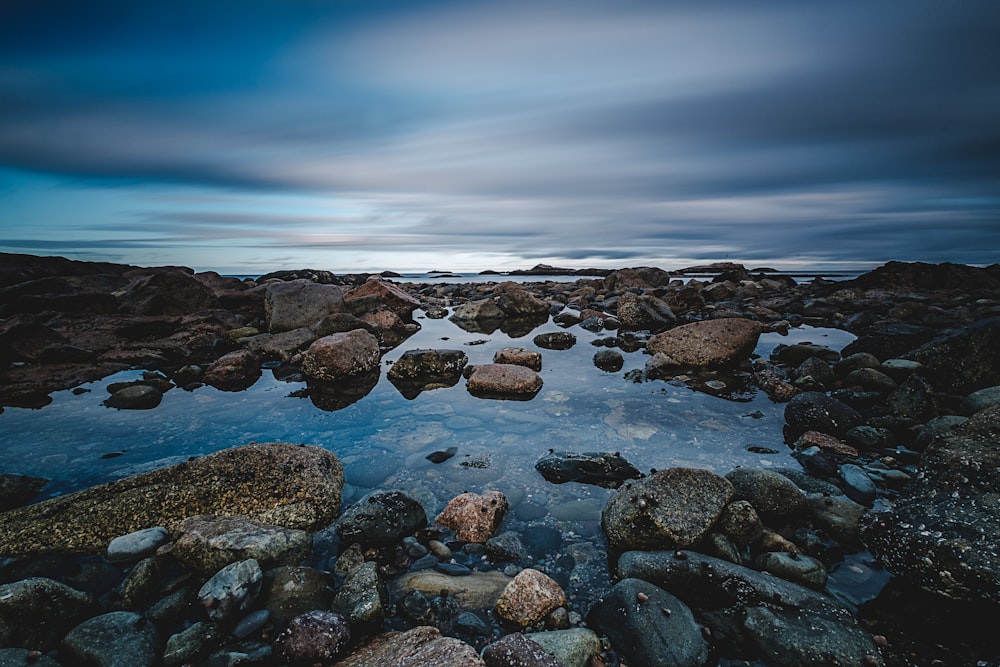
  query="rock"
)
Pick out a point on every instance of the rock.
point(515, 301)
point(381, 519)
point(517, 650)
point(787, 624)
point(936, 427)
point(169, 292)
point(633, 617)
point(341, 355)
point(294, 590)
point(913, 399)
point(555, 340)
point(775, 497)
point(300, 303)
point(870, 379)
point(16, 490)
point(607, 469)
point(740, 522)
point(572, 648)
point(242, 654)
point(374, 295)
point(858, 486)
point(207, 543)
point(478, 590)
point(644, 312)
point(251, 623)
point(235, 371)
point(795, 567)
point(838, 515)
point(980, 400)
point(422, 645)
point(295, 486)
point(708, 343)
point(22, 657)
point(961, 360)
point(813, 411)
point(817, 370)
point(505, 547)
point(137, 544)
point(826, 442)
point(35, 613)
point(188, 645)
point(117, 639)
point(476, 312)
point(941, 532)
point(332, 396)
point(422, 370)
point(670, 508)
point(231, 590)
point(610, 361)
point(519, 357)
point(135, 397)
point(314, 637)
point(363, 597)
point(504, 381)
point(869, 437)
point(854, 362)
point(474, 517)
point(529, 598)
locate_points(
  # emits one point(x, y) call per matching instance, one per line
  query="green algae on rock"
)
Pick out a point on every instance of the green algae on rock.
point(294, 486)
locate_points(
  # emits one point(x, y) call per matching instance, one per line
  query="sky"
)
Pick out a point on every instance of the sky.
point(250, 136)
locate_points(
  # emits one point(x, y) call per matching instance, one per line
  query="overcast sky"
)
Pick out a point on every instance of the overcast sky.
point(247, 136)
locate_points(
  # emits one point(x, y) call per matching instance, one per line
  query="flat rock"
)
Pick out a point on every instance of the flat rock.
point(504, 381)
point(555, 340)
point(135, 397)
point(607, 469)
point(418, 647)
point(296, 486)
point(422, 370)
point(137, 544)
point(478, 590)
point(207, 543)
point(707, 343)
point(519, 357)
point(474, 517)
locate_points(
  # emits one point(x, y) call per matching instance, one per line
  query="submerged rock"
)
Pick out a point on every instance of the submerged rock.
point(295, 486)
point(607, 469)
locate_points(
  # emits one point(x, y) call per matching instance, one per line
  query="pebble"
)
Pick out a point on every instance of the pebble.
point(137, 545)
point(858, 486)
point(251, 623)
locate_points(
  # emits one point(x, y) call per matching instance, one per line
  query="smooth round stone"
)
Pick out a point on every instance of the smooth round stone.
point(414, 549)
point(453, 569)
point(135, 397)
point(137, 545)
point(858, 486)
point(439, 549)
point(251, 623)
point(797, 568)
point(231, 590)
point(428, 561)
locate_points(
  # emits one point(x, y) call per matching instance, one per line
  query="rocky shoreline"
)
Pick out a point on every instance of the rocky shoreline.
point(245, 557)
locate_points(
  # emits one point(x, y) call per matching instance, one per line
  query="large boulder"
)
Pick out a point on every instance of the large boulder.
point(300, 303)
point(295, 486)
point(673, 508)
point(504, 381)
point(341, 355)
point(941, 534)
point(515, 301)
point(375, 294)
point(708, 343)
point(644, 312)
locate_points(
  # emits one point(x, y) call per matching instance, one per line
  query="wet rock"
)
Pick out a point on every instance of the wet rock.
point(607, 469)
point(610, 361)
point(190, 644)
point(294, 590)
point(789, 625)
point(295, 486)
point(941, 533)
point(314, 637)
point(644, 312)
point(117, 639)
point(35, 613)
point(235, 371)
point(375, 294)
point(422, 645)
point(363, 597)
point(505, 547)
point(164, 292)
point(206, 543)
point(817, 371)
point(519, 357)
point(574, 647)
point(16, 490)
point(475, 312)
point(515, 301)
point(813, 411)
point(300, 303)
point(963, 359)
point(826, 442)
point(858, 486)
point(341, 355)
point(869, 437)
point(137, 544)
point(231, 590)
point(135, 397)
point(707, 343)
point(740, 522)
point(474, 517)
point(870, 379)
point(422, 370)
point(380, 519)
point(649, 626)
point(936, 427)
point(529, 598)
point(773, 381)
point(670, 508)
point(854, 362)
point(775, 497)
point(478, 590)
point(504, 381)
point(913, 399)
point(980, 400)
point(337, 395)
point(241, 654)
point(22, 657)
point(838, 515)
point(143, 581)
point(555, 340)
point(517, 650)
point(795, 567)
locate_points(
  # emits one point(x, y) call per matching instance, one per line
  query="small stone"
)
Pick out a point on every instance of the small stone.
point(474, 517)
point(316, 636)
point(517, 650)
point(529, 598)
point(137, 545)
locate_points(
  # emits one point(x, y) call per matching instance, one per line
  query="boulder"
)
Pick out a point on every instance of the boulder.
point(117, 639)
point(815, 411)
point(36, 613)
point(422, 645)
point(422, 370)
point(515, 301)
point(474, 517)
point(529, 598)
point(235, 371)
point(300, 303)
point(295, 486)
point(164, 292)
point(963, 359)
point(775, 497)
point(381, 519)
point(555, 340)
point(504, 381)
point(517, 650)
point(482, 310)
point(341, 355)
point(644, 312)
point(363, 597)
point(708, 343)
point(207, 543)
point(316, 637)
point(519, 357)
point(375, 294)
point(610, 361)
point(231, 591)
point(673, 508)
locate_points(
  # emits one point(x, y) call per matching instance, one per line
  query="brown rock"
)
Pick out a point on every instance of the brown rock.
point(418, 647)
point(529, 598)
point(377, 294)
point(517, 650)
point(234, 371)
point(519, 357)
point(706, 343)
point(341, 355)
point(474, 518)
point(504, 381)
point(478, 590)
point(824, 441)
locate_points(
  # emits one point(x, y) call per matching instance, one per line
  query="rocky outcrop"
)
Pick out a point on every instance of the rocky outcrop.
point(706, 344)
point(295, 486)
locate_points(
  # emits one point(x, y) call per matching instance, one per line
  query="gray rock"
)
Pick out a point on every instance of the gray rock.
point(381, 518)
point(135, 397)
point(300, 303)
point(980, 400)
point(707, 343)
point(22, 657)
point(137, 544)
point(478, 590)
point(740, 521)
point(632, 616)
point(813, 411)
point(515, 301)
point(607, 469)
point(341, 355)
point(775, 497)
point(117, 639)
point(231, 591)
point(788, 624)
point(207, 543)
point(314, 637)
point(191, 643)
point(476, 311)
point(242, 654)
point(251, 623)
point(24, 603)
point(837, 514)
point(961, 360)
point(572, 648)
point(795, 567)
point(505, 547)
point(870, 437)
point(504, 381)
point(854, 362)
point(644, 312)
point(363, 597)
point(142, 582)
point(858, 486)
point(517, 650)
point(870, 379)
point(900, 369)
point(294, 590)
point(913, 399)
point(670, 508)
point(934, 428)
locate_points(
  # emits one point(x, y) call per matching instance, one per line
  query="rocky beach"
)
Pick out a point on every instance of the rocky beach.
point(875, 540)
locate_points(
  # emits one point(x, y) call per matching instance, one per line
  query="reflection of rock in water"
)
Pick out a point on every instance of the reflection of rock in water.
point(516, 327)
point(422, 370)
point(332, 396)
